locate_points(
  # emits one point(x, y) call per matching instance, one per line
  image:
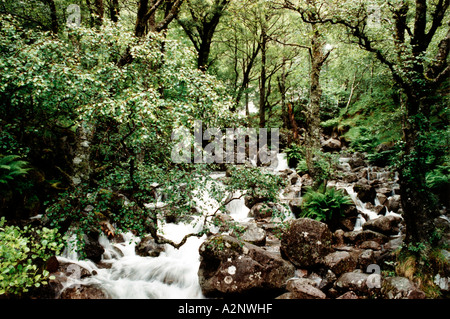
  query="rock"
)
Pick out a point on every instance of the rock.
point(92, 247)
point(382, 199)
point(331, 145)
point(401, 288)
point(381, 210)
point(302, 289)
point(83, 292)
point(387, 225)
point(394, 244)
point(356, 162)
point(149, 248)
point(370, 244)
point(306, 241)
point(265, 210)
point(348, 295)
point(229, 267)
point(366, 193)
point(353, 281)
point(394, 203)
point(367, 257)
point(339, 262)
point(254, 235)
point(359, 236)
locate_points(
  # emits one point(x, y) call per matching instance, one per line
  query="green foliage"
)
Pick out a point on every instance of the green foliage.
point(294, 154)
point(325, 205)
point(439, 177)
point(324, 166)
point(11, 167)
point(23, 253)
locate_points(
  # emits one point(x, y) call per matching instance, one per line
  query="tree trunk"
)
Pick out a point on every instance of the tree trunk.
point(114, 10)
point(53, 16)
point(312, 114)
point(263, 80)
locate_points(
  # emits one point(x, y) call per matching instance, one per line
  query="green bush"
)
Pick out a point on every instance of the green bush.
point(326, 204)
point(23, 253)
point(294, 154)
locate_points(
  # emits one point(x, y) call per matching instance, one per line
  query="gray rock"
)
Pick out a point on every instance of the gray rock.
point(353, 281)
point(387, 225)
point(301, 289)
point(254, 235)
point(306, 242)
point(401, 288)
point(228, 267)
point(339, 262)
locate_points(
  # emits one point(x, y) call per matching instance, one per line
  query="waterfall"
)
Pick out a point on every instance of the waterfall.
point(282, 163)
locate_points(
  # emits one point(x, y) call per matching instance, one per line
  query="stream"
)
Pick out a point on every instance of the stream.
point(122, 274)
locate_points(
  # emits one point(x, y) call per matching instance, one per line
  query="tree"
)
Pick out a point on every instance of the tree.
point(318, 53)
point(417, 61)
point(146, 21)
point(201, 26)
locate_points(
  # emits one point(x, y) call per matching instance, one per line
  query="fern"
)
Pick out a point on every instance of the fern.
point(11, 167)
point(325, 205)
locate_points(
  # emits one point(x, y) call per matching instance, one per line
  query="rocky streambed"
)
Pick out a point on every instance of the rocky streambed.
point(274, 255)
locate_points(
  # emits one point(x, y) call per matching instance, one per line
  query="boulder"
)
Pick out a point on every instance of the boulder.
point(302, 289)
point(306, 242)
point(92, 248)
point(387, 225)
point(230, 267)
point(348, 295)
point(353, 281)
point(357, 237)
point(339, 262)
point(356, 162)
point(83, 292)
point(366, 193)
point(266, 210)
point(149, 248)
point(394, 203)
point(254, 235)
point(401, 288)
point(331, 145)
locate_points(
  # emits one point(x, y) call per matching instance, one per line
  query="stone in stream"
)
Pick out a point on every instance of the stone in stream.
point(387, 225)
point(306, 242)
point(230, 267)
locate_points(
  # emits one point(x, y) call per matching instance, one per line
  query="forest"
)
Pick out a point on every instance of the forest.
point(289, 149)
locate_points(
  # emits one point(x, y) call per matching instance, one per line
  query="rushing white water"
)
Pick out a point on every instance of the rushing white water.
point(173, 274)
point(282, 163)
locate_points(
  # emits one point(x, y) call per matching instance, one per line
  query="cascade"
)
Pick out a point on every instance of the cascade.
point(123, 274)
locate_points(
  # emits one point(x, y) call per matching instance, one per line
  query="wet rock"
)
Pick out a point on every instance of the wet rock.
point(356, 162)
point(394, 203)
point(367, 257)
point(366, 193)
point(306, 242)
point(359, 236)
point(387, 225)
point(339, 262)
point(254, 235)
point(353, 281)
point(303, 289)
point(149, 248)
point(370, 244)
point(229, 267)
point(83, 292)
point(348, 295)
point(401, 288)
point(92, 247)
point(265, 210)
point(331, 145)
